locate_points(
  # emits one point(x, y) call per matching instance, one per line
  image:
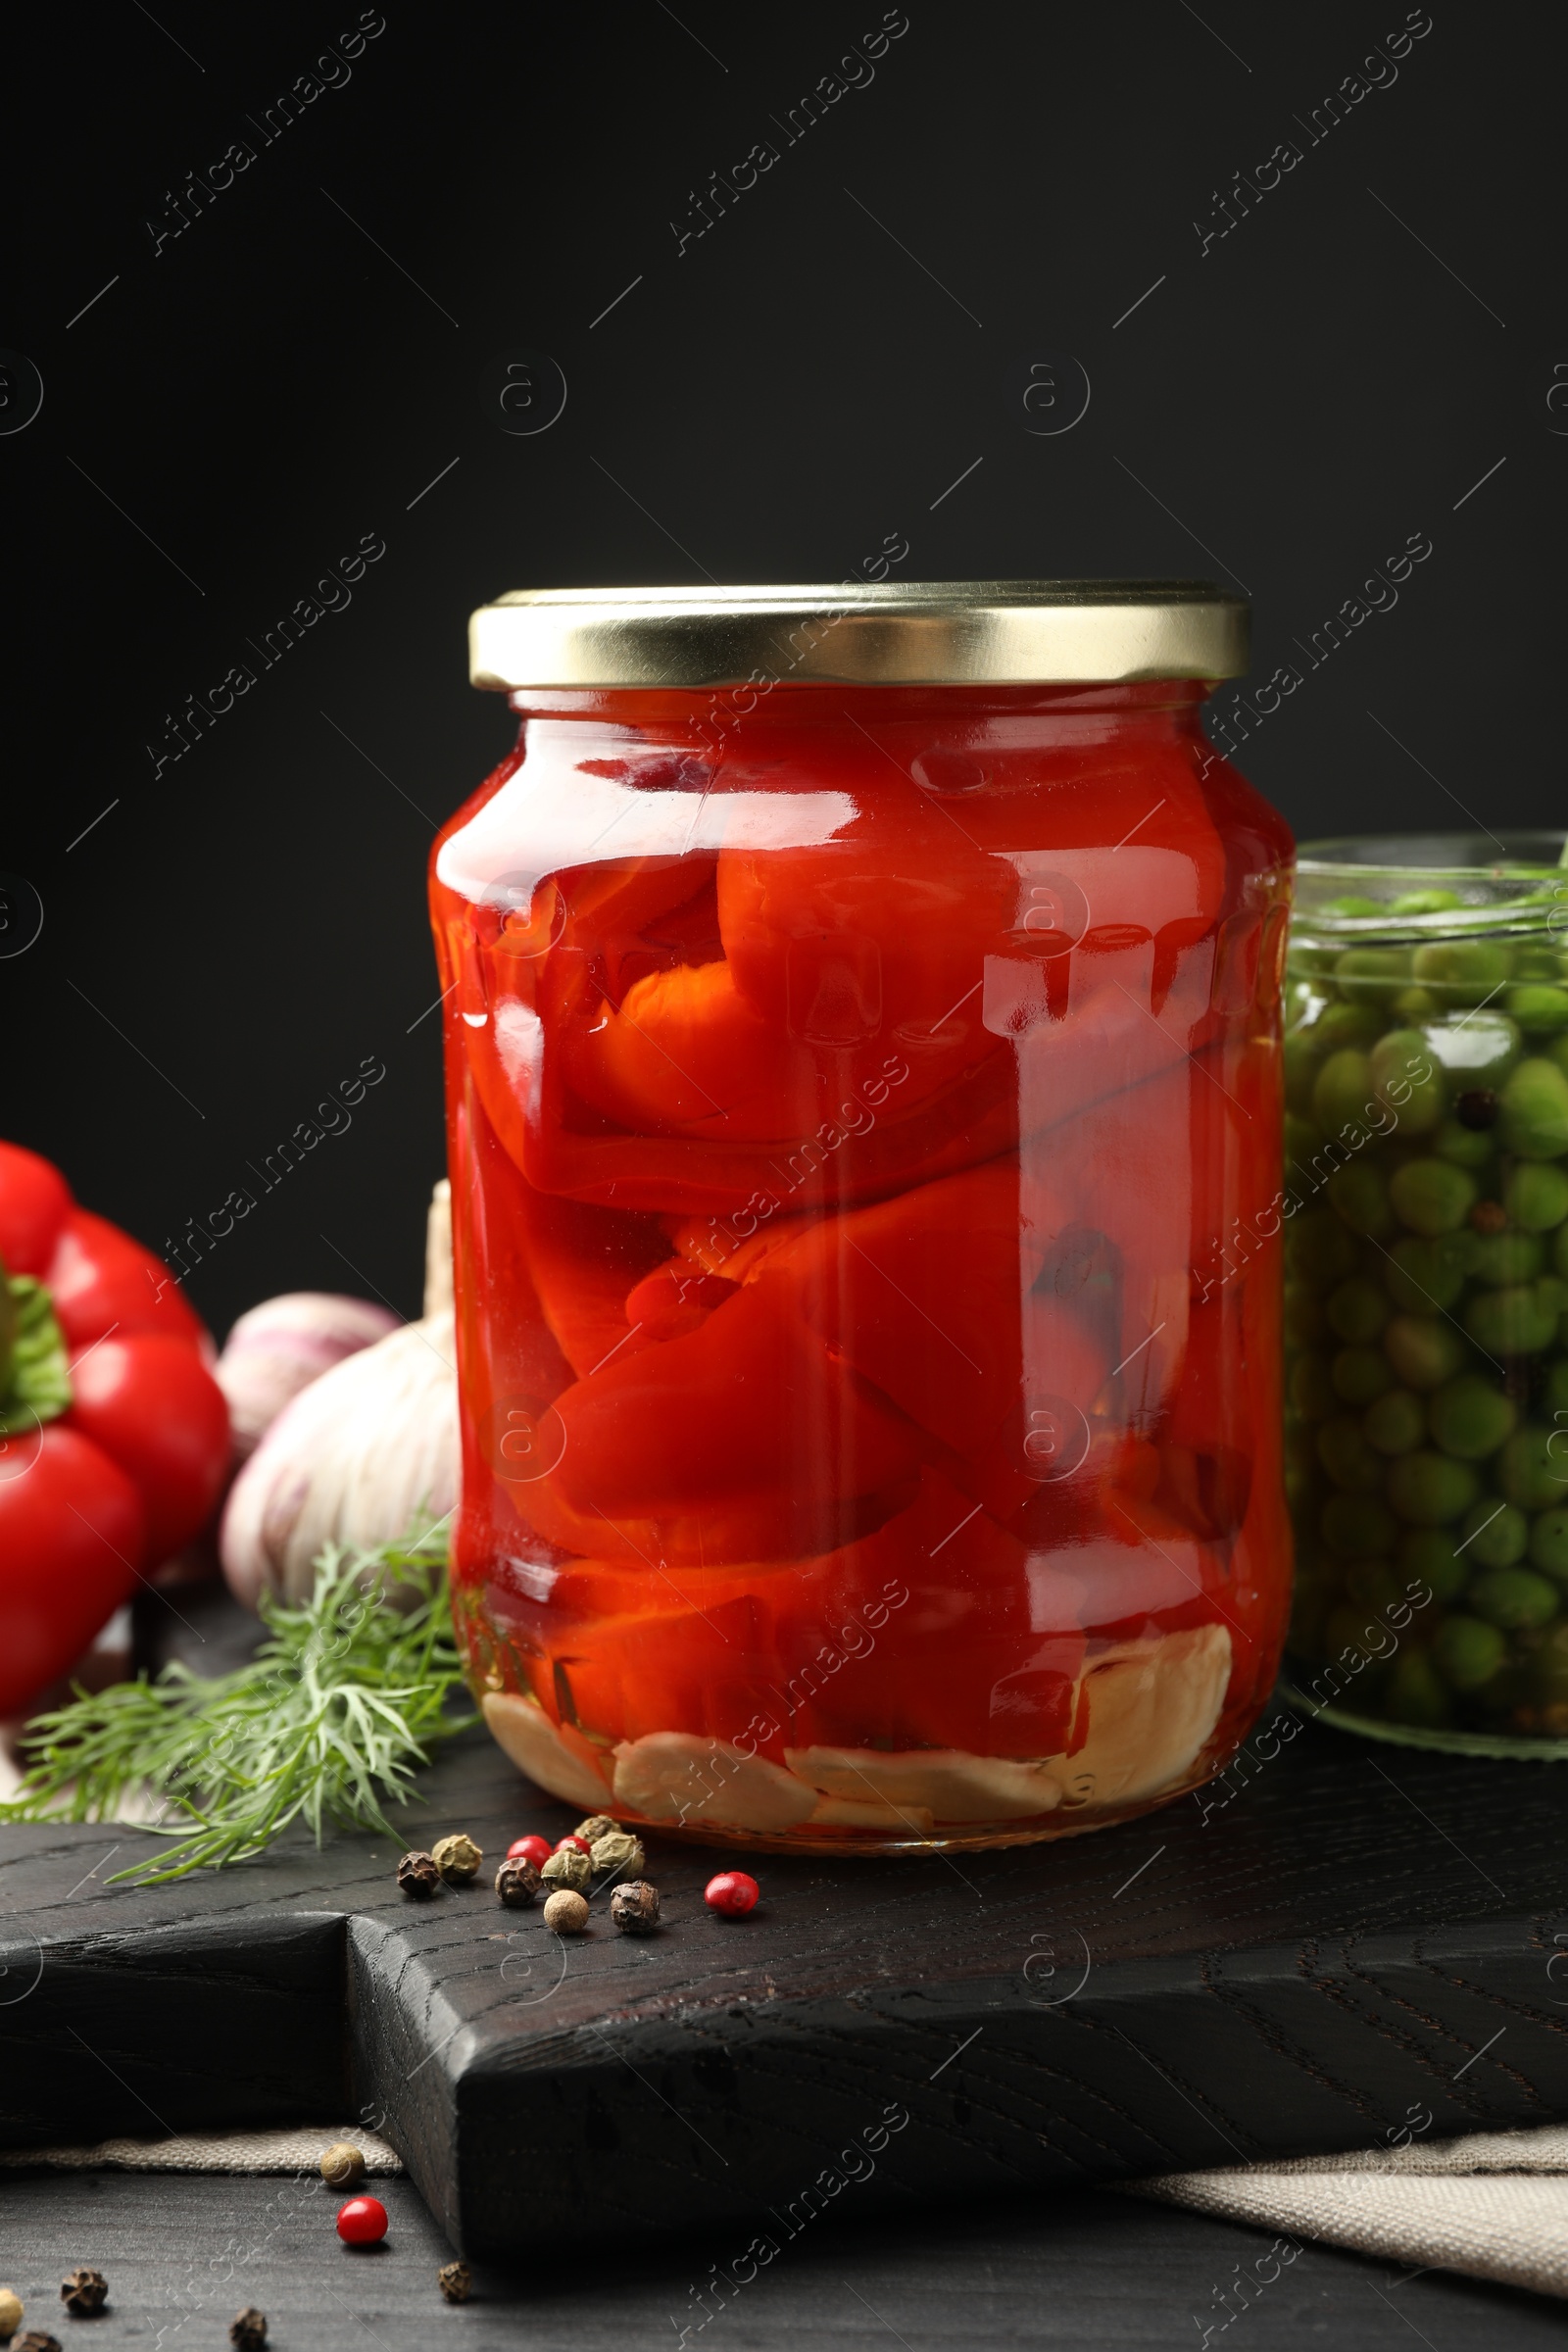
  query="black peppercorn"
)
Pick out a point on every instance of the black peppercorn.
point(85, 2292)
point(418, 1875)
point(247, 2330)
point(517, 1883)
point(455, 2281)
point(35, 2340)
point(1477, 1108)
point(634, 1908)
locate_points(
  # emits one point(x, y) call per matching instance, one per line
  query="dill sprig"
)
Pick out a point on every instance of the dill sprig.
point(327, 1721)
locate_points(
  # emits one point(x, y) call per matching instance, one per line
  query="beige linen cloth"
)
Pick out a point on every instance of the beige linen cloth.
point(1494, 2204)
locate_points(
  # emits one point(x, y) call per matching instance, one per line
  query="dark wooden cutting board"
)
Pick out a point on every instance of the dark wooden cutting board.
point(1347, 1945)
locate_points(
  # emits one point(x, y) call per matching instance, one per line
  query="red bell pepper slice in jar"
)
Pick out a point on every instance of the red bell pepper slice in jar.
point(114, 1435)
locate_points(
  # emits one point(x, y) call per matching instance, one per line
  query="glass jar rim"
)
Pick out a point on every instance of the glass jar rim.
point(860, 632)
point(1362, 887)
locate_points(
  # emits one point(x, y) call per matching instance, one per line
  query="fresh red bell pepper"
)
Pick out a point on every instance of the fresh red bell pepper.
point(114, 1435)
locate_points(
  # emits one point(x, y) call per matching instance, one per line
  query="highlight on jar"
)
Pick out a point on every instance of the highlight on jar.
point(1427, 1296)
point(863, 1034)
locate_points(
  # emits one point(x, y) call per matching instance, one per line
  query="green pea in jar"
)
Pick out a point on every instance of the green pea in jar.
point(1426, 1306)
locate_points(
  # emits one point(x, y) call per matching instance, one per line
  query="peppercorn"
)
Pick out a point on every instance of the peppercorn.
point(418, 1874)
point(342, 2165)
point(620, 1851)
point(517, 1884)
point(362, 2221)
point(85, 2292)
point(597, 1826)
point(11, 2309)
point(571, 1844)
point(733, 1892)
point(455, 2282)
point(567, 1867)
point(1477, 1109)
point(634, 1908)
point(247, 2330)
point(457, 1859)
point(1489, 1216)
point(35, 2340)
point(566, 1912)
point(536, 1851)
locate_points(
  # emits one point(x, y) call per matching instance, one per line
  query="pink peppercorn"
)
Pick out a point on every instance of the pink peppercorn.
point(732, 1893)
point(536, 1851)
point(578, 1845)
point(362, 2221)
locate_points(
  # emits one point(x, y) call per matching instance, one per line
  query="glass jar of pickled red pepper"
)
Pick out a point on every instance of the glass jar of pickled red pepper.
point(861, 1022)
point(1426, 1301)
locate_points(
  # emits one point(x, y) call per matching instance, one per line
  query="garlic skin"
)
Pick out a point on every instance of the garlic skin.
point(280, 1348)
point(352, 1459)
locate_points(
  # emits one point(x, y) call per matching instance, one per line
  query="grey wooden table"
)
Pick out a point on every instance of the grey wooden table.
point(1087, 2270)
point(1059, 2264)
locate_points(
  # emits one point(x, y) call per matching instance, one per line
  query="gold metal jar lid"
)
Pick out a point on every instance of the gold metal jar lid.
point(908, 633)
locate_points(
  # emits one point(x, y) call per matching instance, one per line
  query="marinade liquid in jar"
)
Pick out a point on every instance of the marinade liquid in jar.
point(862, 1041)
point(1427, 1301)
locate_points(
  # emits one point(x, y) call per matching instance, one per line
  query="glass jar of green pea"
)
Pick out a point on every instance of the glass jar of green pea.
point(1426, 1317)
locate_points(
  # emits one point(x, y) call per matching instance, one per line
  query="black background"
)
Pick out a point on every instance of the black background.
point(303, 364)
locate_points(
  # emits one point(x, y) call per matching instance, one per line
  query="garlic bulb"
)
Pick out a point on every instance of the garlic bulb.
point(281, 1346)
point(359, 1455)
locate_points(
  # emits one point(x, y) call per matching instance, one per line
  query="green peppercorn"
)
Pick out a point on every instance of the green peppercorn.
point(1430, 1195)
point(1357, 1527)
point(1470, 1417)
point(1340, 1025)
point(1347, 1458)
point(1531, 1474)
point(1500, 1260)
point(1350, 908)
point(1467, 1651)
point(1462, 971)
point(1428, 1555)
point(1420, 1275)
point(1341, 1091)
point(1415, 1005)
point(1301, 1141)
point(1359, 1198)
point(1477, 1049)
point(1357, 1310)
point(1514, 1597)
point(1301, 1056)
point(1549, 1540)
point(1554, 1397)
point(1395, 1423)
point(1424, 1351)
point(1533, 1110)
point(1466, 1145)
point(1425, 902)
point(1360, 1375)
point(1494, 1534)
point(1407, 1078)
point(1428, 1488)
point(1371, 975)
point(1539, 1010)
point(1414, 1694)
point(1516, 1321)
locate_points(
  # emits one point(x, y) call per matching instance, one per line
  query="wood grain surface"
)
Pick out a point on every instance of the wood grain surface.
point(1087, 2270)
point(1290, 1962)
